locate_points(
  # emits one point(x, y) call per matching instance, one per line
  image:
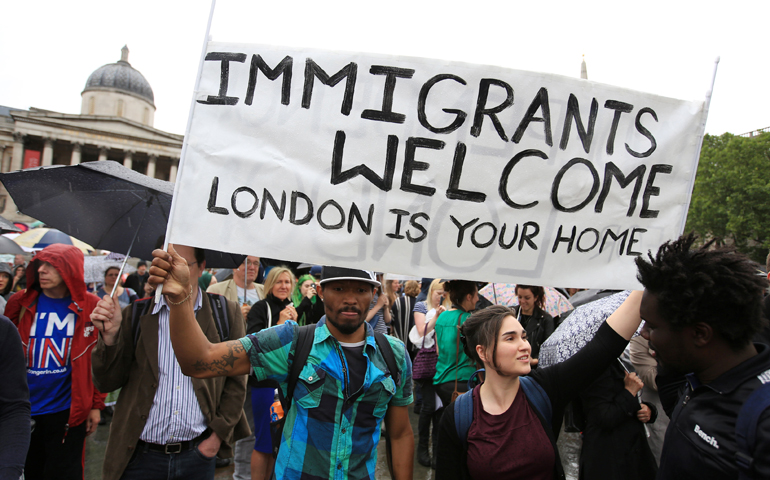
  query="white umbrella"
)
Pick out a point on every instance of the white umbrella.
point(94, 267)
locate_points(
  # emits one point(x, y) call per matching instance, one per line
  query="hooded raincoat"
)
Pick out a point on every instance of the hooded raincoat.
point(21, 309)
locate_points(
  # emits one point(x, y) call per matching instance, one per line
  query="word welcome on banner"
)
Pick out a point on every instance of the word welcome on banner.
point(431, 168)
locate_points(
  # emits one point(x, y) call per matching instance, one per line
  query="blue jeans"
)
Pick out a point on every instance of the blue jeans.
point(188, 465)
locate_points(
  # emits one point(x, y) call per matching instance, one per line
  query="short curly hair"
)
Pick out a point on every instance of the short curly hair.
point(719, 287)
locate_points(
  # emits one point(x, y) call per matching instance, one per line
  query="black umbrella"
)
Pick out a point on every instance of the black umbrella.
point(6, 226)
point(103, 204)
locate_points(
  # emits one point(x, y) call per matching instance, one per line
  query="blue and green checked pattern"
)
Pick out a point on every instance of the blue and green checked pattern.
point(329, 432)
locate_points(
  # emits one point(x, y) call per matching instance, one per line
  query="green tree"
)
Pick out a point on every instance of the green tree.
point(731, 197)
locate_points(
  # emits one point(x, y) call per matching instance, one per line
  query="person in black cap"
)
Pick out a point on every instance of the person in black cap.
point(345, 388)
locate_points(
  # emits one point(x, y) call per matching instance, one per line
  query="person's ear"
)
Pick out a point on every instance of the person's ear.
point(702, 334)
point(481, 352)
point(320, 291)
point(202, 268)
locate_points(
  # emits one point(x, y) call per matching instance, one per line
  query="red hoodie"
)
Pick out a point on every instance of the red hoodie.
point(68, 261)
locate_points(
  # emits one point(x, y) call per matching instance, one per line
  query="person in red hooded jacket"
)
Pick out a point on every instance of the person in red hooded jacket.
point(53, 318)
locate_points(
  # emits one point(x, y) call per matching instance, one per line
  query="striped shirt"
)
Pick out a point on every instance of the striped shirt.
point(175, 415)
point(330, 431)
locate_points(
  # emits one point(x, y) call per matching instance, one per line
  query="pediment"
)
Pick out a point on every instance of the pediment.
point(93, 124)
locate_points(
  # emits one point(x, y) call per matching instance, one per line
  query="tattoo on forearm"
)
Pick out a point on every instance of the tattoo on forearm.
point(225, 364)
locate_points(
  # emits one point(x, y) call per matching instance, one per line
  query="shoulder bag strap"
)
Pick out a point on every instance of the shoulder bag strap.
point(457, 351)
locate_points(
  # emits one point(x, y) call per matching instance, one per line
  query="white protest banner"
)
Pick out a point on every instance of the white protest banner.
point(431, 168)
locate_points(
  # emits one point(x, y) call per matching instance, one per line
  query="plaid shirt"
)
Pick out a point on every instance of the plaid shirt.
point(329, 431)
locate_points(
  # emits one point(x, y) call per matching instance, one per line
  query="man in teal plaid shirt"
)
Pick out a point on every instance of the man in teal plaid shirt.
point(343, 392)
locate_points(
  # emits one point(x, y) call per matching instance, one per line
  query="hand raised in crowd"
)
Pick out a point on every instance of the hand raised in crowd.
point(170, 270)
point(382, 301)
point(633, 383)
point(311, 292)
point(245, 309)
point(288, 313)
point(106, 318)
point(644, 414)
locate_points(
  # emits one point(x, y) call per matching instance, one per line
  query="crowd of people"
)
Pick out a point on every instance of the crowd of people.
point(297, 372)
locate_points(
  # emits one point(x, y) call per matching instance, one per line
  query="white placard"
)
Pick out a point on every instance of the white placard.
point(431, 168)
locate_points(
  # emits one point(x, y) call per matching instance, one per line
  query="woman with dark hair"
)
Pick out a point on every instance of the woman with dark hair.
point(125, 296)
point(508, 436)
point(6, 281)
point(532, 316)
point(453, 368)
point(19, 278)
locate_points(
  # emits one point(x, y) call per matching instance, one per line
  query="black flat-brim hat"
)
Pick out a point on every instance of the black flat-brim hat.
point(332, 274)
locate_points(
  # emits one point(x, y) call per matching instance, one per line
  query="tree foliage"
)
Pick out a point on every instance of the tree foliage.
point(731, 197)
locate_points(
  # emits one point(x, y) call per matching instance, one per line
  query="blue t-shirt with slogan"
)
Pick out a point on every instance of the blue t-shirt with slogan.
point(49, 371)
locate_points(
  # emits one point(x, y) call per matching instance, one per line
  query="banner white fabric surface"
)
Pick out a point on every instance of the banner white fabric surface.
point(431, 168)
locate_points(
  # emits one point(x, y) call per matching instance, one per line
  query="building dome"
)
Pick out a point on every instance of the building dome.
point(120, 76)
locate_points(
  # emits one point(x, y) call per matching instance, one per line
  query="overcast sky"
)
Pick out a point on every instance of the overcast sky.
point(49, 48)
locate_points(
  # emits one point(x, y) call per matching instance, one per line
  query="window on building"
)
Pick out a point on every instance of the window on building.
point(91, 105)
point(120, 107)
point(146, 117)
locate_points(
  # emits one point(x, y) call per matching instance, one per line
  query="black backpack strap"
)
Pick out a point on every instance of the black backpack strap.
point(139, 308)
point(387, 353)
point(219, 312)
point(305, 336)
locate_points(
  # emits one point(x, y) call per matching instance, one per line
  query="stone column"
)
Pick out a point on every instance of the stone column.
point(47, 151)
point(77, 148)
point(18, 151)
point(172, 170)
point(151, 162)
point(2, 158)
point(128, 159)
point(102, 154)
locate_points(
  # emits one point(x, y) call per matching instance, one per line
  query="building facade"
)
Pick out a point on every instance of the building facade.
point(115, 123)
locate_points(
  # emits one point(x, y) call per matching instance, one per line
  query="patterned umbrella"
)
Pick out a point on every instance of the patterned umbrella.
point(39, 238)
point(505, 294)
point(579, 328)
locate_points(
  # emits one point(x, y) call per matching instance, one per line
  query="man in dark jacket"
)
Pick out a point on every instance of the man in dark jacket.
point(166, 425)
point(701, 309)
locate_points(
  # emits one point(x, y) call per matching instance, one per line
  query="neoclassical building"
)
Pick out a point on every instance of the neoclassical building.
point(115, 123)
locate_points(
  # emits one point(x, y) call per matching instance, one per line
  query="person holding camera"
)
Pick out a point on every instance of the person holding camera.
point(310, 308)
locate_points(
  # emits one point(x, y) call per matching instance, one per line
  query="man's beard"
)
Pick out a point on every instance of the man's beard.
point(346, 329)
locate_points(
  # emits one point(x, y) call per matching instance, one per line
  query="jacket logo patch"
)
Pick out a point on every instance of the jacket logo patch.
point(706, 438)
point(764, 377)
